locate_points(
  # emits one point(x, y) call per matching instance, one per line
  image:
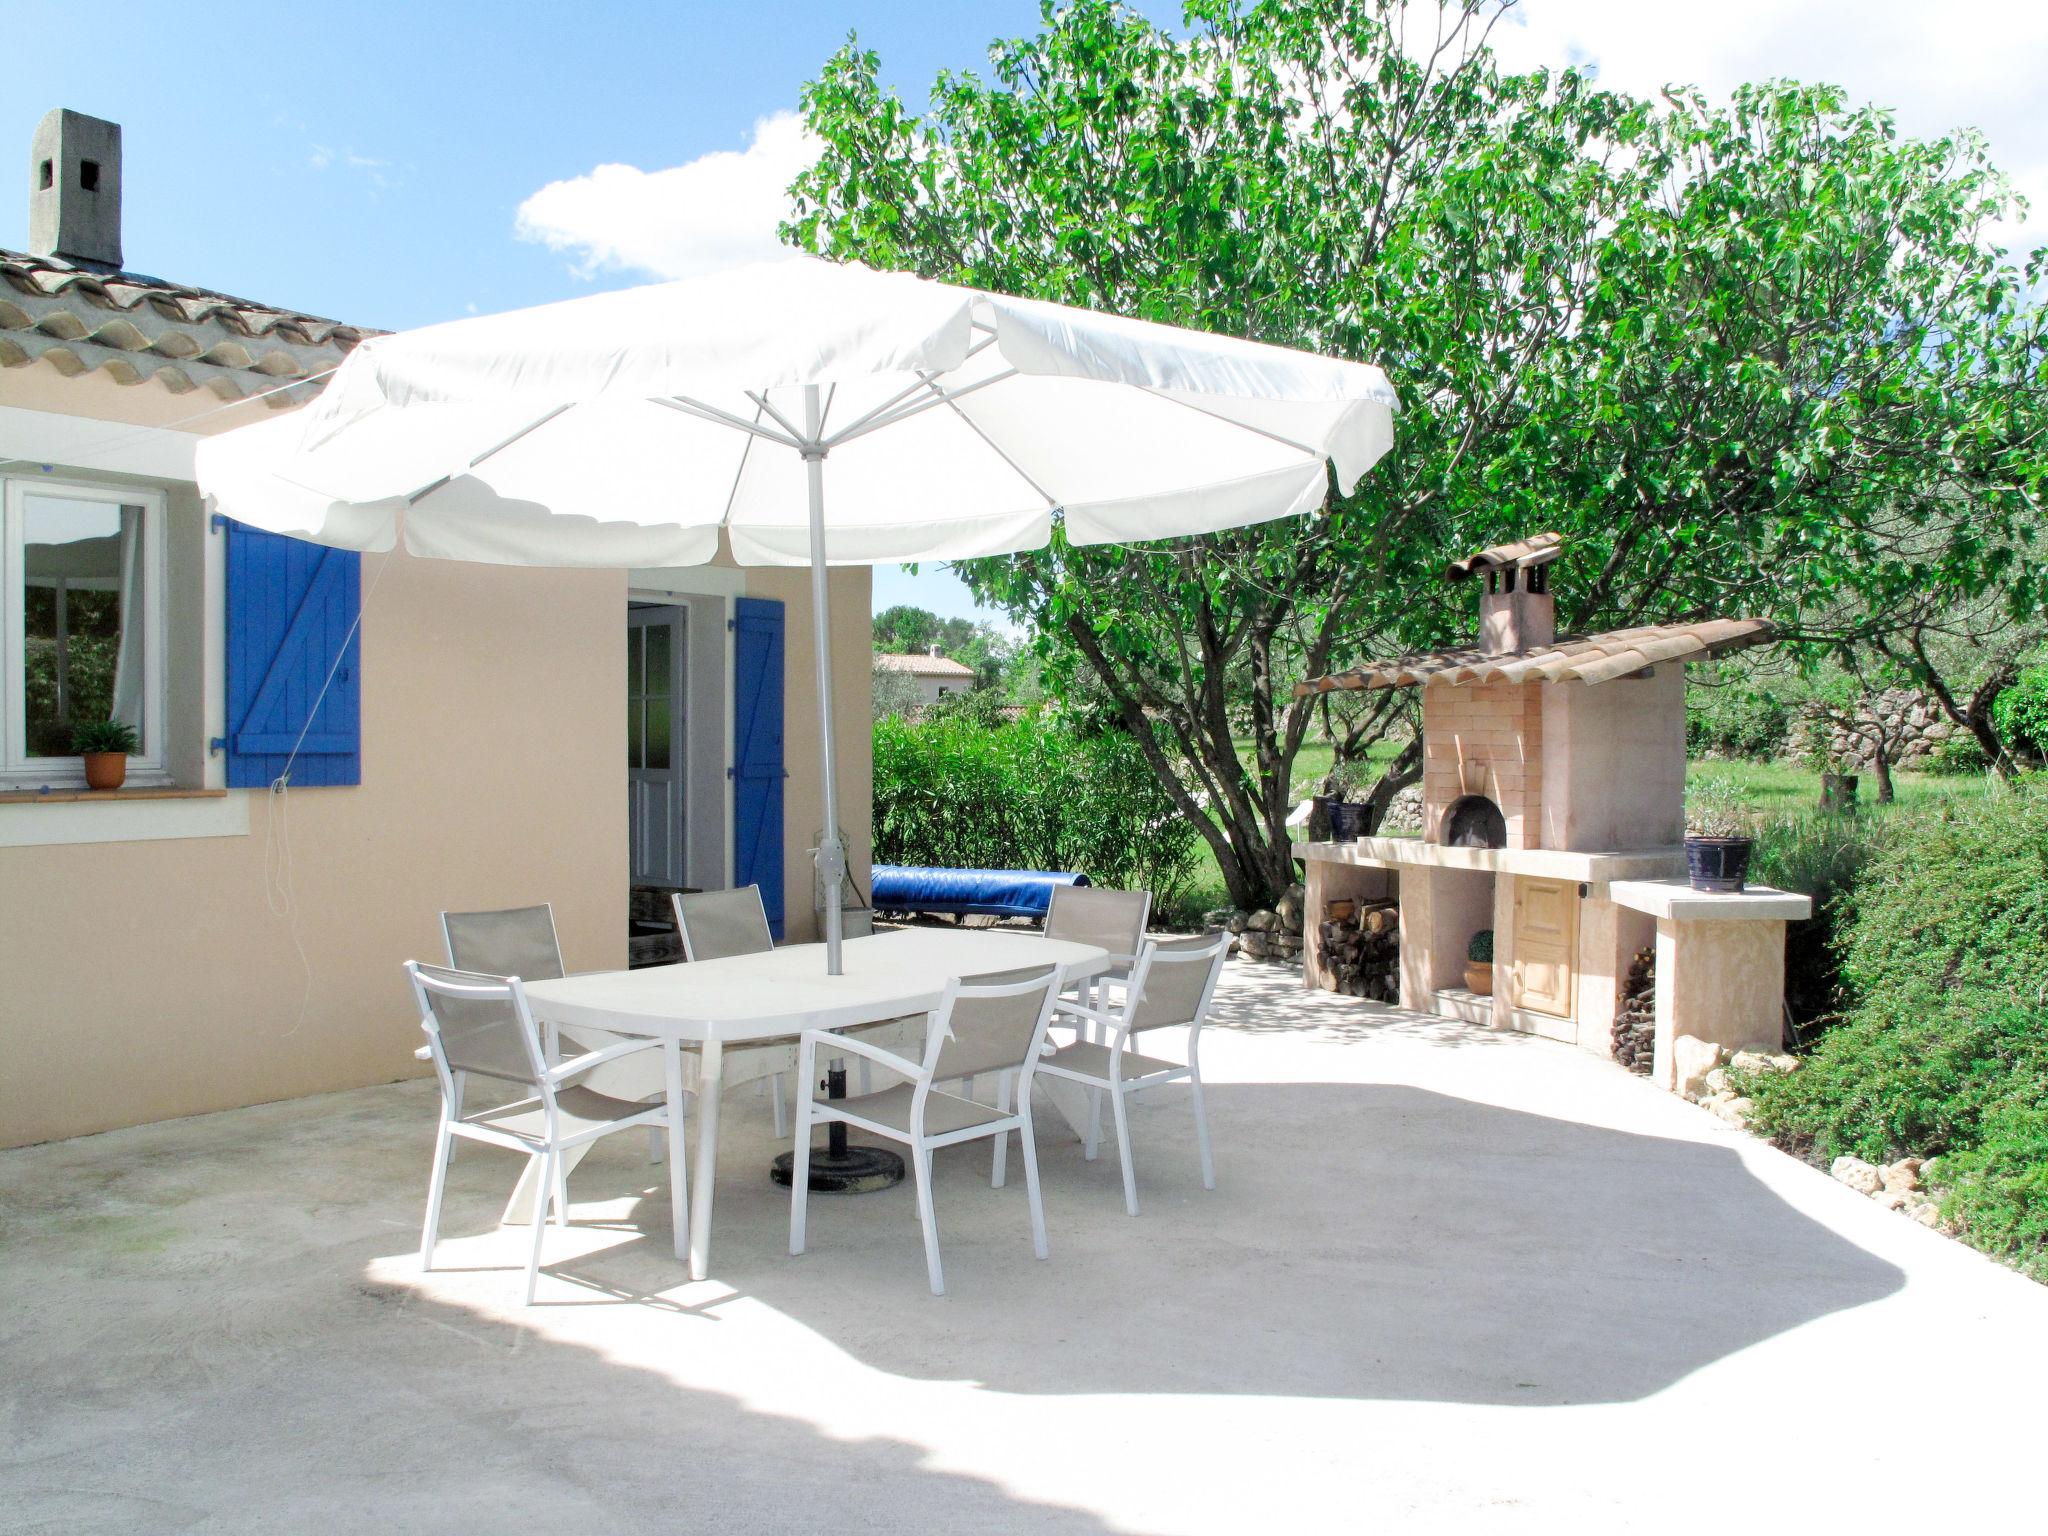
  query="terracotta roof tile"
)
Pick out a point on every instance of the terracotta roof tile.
point(918, 664)
point(1537, 549)
point(140, 327)
point(1571, 658)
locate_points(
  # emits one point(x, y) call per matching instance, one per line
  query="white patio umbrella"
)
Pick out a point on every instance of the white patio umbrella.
point(815, 414)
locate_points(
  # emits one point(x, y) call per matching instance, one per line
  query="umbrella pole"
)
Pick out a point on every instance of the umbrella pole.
point(831, 853)
point(839, 1168)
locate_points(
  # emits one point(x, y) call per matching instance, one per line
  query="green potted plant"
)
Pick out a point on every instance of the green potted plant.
point(1479, 963)
point(1717, 838)
point(105, 745)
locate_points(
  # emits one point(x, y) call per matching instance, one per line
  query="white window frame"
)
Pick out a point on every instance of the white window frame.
point(17, 769)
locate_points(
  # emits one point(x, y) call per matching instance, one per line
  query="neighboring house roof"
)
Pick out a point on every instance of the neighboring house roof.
point(1570, 658)
point(923, 666)
point(137, 328)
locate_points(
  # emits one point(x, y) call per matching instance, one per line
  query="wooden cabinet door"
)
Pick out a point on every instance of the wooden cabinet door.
point(1546, 946)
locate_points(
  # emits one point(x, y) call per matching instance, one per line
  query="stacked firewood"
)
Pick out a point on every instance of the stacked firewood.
point(1361, 949)
point(1635, 1025)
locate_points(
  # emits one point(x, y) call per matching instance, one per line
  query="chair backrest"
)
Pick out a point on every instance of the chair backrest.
point(477, 1023)
point(992, 1022)
point(1174, 979)
point(715, 924)
point(518, 941)
point(1089, 914)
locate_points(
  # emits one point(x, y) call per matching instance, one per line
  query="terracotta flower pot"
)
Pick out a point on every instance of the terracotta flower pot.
point(1479, 978)
point(106, 770)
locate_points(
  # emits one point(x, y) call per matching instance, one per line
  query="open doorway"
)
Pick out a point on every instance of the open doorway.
point(657, 743)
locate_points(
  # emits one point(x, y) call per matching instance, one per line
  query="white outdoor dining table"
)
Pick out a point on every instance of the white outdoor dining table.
point(715, 1003)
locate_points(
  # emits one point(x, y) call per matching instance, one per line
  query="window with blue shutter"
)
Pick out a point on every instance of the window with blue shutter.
point(291, 620)
point(756, 771)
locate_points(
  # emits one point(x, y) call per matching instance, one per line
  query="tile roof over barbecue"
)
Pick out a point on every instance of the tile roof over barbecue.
point(917, 664)
point(1568, 659)
point(84, 316)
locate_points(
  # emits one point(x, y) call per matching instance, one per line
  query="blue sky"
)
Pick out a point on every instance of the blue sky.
point(396, 164)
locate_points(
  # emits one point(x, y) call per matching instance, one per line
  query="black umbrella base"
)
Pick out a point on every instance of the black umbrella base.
point(855, 1171)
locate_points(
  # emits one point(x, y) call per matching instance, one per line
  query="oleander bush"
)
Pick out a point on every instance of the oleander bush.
point(1942, 1051)
point(965, 791)
point(1740, 717)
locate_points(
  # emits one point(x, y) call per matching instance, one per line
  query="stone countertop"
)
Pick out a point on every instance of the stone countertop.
point(1598, 867)
point(1677, 900)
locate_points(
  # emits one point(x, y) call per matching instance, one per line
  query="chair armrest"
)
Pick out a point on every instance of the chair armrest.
point(1079, 1010)
point(832, 1042)
point(576, 1065)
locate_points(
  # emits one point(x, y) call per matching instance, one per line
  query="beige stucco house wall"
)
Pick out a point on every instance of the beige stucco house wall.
point(173, 956)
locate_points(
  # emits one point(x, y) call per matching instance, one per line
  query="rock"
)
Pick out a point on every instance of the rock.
point(1219, 917)
point(1901, 1177)
point(1692, 1057)
point(1759, 1062)
point(1254, 942)
point(1261, 922)
point(1784, 1061)
point(1735, 1110)
point(1288, 910)
point(1717, 1081)
point(1238, 921)
point(1891, 1200)
point(1857, 1174)
point(1923, 1209)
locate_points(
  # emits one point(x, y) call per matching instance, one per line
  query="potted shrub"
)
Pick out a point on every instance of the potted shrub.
point(1717, 840)
point(1479, 963)
point(105, 746)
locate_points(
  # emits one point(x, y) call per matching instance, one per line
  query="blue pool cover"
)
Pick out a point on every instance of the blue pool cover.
point(988, 892)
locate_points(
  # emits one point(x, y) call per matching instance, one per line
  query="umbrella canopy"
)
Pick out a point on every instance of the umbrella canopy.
point(632, 428)
point(600, 431)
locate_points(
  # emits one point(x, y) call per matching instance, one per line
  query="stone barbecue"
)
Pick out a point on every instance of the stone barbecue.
point(1553, 791)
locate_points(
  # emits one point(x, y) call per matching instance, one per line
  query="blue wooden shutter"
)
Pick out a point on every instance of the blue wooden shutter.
point(291, 609)
point(756, 771)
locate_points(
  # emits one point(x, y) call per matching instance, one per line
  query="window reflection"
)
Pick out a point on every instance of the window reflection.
point(82, 608)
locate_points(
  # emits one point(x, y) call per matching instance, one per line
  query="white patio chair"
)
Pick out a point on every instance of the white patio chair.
point(714, 925)
point(481, 1025)
point(984, 1023)
point(1170, 987)
point(1115, 920)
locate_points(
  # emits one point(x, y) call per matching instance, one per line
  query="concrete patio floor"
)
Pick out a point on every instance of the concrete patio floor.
point(1448, 1281)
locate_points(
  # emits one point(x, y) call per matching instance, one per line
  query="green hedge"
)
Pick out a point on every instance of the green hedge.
point(1943, 945)
point(1032, 793)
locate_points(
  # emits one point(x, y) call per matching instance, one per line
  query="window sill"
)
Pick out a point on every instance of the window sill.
point(107, 796)
point(138, 813)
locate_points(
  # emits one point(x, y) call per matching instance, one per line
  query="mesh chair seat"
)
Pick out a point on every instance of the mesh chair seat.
point(944, 1113)
point(1090, 1058)
point(576, 1110)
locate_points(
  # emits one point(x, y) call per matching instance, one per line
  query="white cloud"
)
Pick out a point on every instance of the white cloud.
point(719, 210)
point(1939, 66)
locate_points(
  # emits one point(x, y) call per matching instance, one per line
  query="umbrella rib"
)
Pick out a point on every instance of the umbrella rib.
point(904, 394)
point(919, 408)
point(723, 418)
point(1285, 442)
point(1051, 501)
point(739, 472)
point(760, 399)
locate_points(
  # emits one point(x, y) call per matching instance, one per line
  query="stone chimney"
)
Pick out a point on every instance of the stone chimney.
point(74, 200)
point(1516, 610)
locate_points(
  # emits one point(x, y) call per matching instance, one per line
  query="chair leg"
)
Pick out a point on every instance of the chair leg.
point(1123, 1149)
point(541, 1186)
point(561, 1190)
point(781, 1110)
point(867, 1076)
point(921, 1161)
point(1002, 1141)
point(1030, 1148)
point(800, 1175)
point(1202, 1129)
point(437, 1182)
point(1091, 1140)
